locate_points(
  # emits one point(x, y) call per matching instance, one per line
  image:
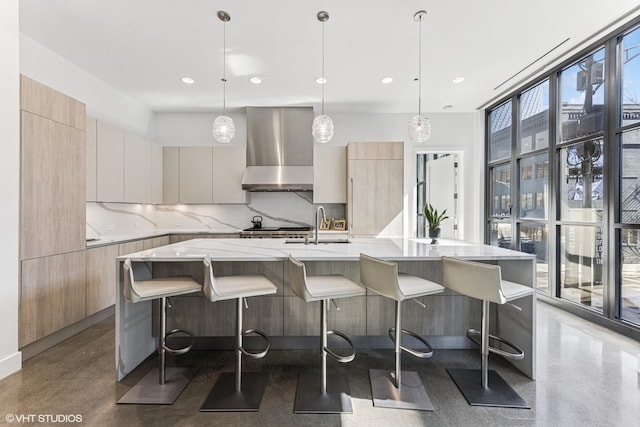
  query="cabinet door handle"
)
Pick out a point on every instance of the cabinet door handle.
point(351, 207)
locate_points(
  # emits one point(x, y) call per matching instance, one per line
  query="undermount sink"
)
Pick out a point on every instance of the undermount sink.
point(321, 242)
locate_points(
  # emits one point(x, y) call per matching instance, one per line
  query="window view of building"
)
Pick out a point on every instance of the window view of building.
point(578, 122)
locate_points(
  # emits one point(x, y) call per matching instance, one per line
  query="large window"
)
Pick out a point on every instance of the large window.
point(630, 99)
point(500, 132)
point(582, 107)
point(534, 118)
point(570, 191)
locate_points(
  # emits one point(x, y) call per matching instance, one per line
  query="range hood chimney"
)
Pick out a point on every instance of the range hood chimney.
point(279, 149)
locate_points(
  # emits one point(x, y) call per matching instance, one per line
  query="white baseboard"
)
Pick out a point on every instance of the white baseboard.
point(10, 364)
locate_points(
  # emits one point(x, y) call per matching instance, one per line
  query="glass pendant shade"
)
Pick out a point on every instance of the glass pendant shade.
point(224, 129)
point(322, 129)
point(419, 128)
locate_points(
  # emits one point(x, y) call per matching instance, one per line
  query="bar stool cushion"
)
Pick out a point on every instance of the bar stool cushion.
point(332, 286)
point(318, 288)
point(145, 290)
point(413, 286)
point(513, 291)
point(382, 277)
point(232, 287)
point(481, 281)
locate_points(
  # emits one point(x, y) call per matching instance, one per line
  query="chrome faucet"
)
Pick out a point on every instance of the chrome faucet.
point(319, 220)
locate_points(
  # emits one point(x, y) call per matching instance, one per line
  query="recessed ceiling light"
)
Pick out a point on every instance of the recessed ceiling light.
point(386, 80)
point(458, 79)
point(187, 80)
point(321, 80)
point(447, 107)
point(255, 80)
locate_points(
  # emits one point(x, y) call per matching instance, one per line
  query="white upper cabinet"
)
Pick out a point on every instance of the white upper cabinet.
point(195, 175)
point(329, 174)
point(121, 167)
point(228, 166)
point(137, 169)
point(170, 175)
point(203, 175)
point(156, 173)
point(110, 163)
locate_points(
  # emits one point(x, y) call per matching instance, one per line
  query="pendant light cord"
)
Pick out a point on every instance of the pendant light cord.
point(323, 78)
point(420, 68)
point(224, 68)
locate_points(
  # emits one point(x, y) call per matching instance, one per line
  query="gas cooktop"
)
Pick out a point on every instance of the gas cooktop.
point(286, 232)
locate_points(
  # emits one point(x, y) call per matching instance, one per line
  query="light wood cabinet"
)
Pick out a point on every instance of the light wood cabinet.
point(46, 102)
point(195, 172)
point(363, 150)
point(170, 175)
point(154, 242)
point(228, 166)
point(329, 174)
point(52, 294)
point(92, 147)
point(101, 278)
point(110, 163)
point(52, 205)
point(130, 247)
point(375, 189)
point(137, 169)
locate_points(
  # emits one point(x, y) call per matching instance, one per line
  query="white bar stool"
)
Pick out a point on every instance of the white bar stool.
point(485, 387)
point(161, 385)
point(315, 395)
point(228, 394)
point(399, 389)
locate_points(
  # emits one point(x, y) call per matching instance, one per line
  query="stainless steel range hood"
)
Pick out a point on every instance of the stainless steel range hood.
point(279, 149)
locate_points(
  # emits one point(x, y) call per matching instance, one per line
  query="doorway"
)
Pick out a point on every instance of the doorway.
point(438, 179)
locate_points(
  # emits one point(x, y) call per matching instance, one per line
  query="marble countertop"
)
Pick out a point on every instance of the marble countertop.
point(278, 249)
point(110, 239)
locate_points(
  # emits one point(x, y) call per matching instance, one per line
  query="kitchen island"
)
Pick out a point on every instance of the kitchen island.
point(291, 323)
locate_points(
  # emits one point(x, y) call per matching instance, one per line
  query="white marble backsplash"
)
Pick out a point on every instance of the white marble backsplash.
point(278, 209)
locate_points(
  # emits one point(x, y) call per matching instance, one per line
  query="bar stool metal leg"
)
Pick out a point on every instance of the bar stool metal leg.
point(486, 387)
point(228, 394)
point(162, 385)
point(400, 389)
point(317, 394)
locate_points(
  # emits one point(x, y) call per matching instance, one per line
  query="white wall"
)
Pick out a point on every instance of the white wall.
point(195, 129)
point(10, 357)
point(103, 102)
point(451, 132)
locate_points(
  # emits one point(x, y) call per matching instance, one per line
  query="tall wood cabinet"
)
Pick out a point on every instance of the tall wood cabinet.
point(52, 211)
point(53, 165)
point(375, 188)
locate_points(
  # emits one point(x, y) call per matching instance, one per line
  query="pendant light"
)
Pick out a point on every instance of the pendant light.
point(419, 126)
point(322, 129)
point(223, 127)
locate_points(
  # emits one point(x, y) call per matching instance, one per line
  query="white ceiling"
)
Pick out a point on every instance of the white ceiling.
point(143, 47)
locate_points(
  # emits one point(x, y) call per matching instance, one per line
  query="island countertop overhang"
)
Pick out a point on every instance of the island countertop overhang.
point(393, 249)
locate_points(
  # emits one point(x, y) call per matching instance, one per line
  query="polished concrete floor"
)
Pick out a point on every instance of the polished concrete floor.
point(587, 376)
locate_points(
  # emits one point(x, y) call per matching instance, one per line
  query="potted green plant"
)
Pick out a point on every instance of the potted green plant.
point(434, 218)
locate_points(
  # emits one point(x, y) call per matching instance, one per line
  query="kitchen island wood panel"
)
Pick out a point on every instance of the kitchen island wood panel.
point(289, 320)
